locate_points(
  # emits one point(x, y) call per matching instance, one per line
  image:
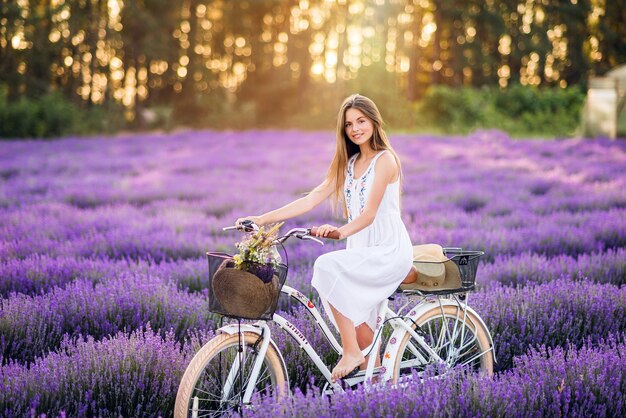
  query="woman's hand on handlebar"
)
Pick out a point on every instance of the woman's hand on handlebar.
point(258, 220)
point(327, 231)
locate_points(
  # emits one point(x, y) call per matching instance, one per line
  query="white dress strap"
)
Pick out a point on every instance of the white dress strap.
point(372, 163)
point(369, 167)
point(378, 155)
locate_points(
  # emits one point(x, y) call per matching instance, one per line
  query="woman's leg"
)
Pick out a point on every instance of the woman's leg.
point(364, 337)
point(352, 356)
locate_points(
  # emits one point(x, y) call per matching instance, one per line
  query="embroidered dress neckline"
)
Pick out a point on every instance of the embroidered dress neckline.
point(366, 169)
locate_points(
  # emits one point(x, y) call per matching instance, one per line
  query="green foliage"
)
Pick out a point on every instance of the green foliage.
point(518, 100)
point(26, 118)
point(52, 115)
point(454, 110)
point(519, 110)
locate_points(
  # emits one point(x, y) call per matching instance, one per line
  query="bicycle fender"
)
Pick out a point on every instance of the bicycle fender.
point(235, 328)
point(392, 347)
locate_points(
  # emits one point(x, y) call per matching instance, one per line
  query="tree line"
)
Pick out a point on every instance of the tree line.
point(193, 56)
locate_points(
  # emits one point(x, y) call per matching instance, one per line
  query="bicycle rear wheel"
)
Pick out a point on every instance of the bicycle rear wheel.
point(214, 384)
point(457, 336)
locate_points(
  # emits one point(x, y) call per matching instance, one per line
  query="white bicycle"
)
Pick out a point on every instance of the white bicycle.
point(431, 329)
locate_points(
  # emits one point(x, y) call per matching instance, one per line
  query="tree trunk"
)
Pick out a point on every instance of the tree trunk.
point(416, 28)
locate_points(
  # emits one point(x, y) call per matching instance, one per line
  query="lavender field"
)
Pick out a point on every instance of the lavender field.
point(103, 275)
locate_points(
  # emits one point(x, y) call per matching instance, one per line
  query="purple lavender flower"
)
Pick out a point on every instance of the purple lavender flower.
point(101, 237)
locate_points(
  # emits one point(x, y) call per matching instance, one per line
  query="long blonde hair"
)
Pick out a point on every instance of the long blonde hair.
point(345, 148)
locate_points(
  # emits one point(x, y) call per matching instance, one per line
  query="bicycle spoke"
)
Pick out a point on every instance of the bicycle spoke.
point(209, 413)
point(451, 333)
point(410, 363)
point(416, 352)
point(476, 357)
point(469, 343)
point(210, 396)
point(452, 349)
point(472, 359)
point(224, 379)
point(432, 336)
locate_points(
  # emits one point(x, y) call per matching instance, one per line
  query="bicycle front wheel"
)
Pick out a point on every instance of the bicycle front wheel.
point(457, 336)
point(217, 377)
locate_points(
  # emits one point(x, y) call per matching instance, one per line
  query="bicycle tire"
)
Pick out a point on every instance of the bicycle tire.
point(196, 378)
point(452, 313)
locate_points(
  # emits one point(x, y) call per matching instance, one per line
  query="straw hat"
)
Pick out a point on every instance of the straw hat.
point(433, 269)
point(243, 294)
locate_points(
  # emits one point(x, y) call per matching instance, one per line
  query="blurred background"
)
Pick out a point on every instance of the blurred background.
point(442, 66)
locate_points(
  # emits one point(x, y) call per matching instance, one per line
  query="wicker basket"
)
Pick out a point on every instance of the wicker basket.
point(240, 294)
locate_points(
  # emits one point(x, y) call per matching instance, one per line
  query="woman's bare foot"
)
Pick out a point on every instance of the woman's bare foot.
point(347, 363)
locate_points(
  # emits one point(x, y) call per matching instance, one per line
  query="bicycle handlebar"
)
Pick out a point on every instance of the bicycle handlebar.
point(302, 233)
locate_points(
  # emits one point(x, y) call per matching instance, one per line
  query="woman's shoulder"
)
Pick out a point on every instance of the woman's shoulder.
point(387, 164)
point(386, 158)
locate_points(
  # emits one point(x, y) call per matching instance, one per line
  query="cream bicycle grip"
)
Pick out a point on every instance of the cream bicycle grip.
point(331, 235)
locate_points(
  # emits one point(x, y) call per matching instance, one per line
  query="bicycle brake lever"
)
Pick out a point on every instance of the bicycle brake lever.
point(313, 239)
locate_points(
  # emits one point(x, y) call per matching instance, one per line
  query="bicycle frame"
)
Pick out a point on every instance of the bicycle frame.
point(401, 325)
point(395, 321)
point(263, 330)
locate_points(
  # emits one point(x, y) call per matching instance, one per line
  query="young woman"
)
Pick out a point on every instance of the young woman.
point(364, 177)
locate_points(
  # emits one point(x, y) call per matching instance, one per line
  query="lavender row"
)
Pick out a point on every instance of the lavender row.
point(138, 375)
point(38, 274)
point(31, 326)
point(148, 168)
point(145, 169)
point(175, 232)
point(553, 234)
point(550, 313)
point(484, 191)
point(528, 268)
point(125, 375)
point(553, 314)
point(116, 233)
point(547, 382)
point(524, 269)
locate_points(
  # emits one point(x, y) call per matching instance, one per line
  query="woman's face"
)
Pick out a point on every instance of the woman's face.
point(358, 127)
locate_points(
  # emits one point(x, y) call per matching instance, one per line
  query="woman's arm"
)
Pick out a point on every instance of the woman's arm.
point(295, 208)
point(386, 173)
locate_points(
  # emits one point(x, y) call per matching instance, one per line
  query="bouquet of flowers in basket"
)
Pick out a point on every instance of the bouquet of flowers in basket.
point(247, 285)
point(258, 254)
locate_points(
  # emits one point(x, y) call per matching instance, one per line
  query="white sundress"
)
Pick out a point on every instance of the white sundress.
point(376, 259)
